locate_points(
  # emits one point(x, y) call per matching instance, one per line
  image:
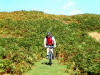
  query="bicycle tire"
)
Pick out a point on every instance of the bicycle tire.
point(50, 58)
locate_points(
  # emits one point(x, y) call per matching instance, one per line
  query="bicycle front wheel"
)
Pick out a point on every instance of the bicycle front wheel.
point(50, 58)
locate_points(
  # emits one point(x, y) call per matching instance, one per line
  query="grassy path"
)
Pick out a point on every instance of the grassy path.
point(41, 68)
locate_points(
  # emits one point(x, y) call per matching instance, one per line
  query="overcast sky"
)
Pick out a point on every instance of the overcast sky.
point(65, 7)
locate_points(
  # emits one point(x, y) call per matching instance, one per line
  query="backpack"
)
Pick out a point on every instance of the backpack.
point(49, 40)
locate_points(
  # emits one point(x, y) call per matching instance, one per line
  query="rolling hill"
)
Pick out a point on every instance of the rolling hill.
point(22, 34)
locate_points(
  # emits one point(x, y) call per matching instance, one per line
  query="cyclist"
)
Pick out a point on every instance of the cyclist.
point(49, 40)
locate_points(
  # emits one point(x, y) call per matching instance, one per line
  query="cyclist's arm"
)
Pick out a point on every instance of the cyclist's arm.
point(54, 42)
point(44, 42)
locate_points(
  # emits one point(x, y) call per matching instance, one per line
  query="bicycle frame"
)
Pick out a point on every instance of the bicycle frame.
point(50, 54)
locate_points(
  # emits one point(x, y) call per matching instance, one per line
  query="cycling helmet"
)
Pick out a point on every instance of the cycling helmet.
point(48, 33)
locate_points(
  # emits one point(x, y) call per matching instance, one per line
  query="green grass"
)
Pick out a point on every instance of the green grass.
point(44, 69)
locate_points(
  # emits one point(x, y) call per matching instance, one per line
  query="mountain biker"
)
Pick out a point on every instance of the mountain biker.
point(49, 40)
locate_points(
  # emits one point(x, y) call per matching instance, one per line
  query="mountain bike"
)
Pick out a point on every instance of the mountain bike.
point(50, 54)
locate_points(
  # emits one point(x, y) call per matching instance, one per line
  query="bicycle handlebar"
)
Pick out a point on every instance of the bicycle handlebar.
point(49, 46)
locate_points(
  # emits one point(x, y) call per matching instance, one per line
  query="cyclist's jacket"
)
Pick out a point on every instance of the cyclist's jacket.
point(49, 41)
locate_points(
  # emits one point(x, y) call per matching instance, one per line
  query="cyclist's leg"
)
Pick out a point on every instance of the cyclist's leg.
point(52, 53)
point(51, 50)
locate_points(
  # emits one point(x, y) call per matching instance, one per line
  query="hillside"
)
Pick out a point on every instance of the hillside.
point(22, 34)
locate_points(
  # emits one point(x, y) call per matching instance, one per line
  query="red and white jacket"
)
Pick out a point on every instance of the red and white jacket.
point(53, 40)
